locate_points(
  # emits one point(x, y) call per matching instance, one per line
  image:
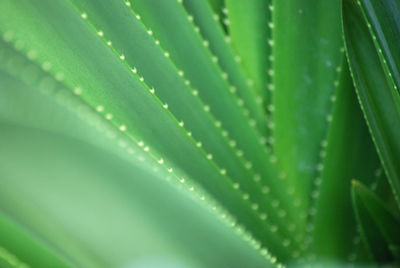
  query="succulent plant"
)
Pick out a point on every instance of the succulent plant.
point(194, 133)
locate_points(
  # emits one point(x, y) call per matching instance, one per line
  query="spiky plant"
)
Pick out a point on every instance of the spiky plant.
point(165, 133)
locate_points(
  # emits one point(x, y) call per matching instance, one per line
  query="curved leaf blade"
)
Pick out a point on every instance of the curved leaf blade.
point(306, 53)
point(349, 154)
point(220, 45)
point(377, 94)
point(380, 228)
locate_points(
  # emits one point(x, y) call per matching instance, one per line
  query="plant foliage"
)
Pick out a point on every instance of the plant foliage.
point(186, 133)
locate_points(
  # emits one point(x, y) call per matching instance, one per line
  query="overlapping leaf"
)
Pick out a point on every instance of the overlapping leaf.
point(379, 226)
point(374, 77)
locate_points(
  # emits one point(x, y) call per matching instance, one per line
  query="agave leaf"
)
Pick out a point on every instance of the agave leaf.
point(40, 102)
point(192, 54)
point(16, 98)
point(349, 153)
point(142, 52)
point(384, 24)
point(249, 30)
point(107, 212)
point(93, 93)
point(270, 224)
point(372, 75)
point(383, 191)
point(217, 6)
point(19, 247)
point(106, 84)
point(379, 226)
point(306, 53)
point(49, 106)
point(187, 50)
point(219, 44)
point(163, 76)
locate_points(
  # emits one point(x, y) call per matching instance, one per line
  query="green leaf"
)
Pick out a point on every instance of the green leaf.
point(380, 228)
point(384, 192)
point(189, 53)
point(108, 86)
point(377, 91)
point(177, 34)
point(19, 247)
point(134, 133)
point(349, 153)
point(35, 100)
point(217, 6)
point(142, 52)
point(250, 30)
point(106, 211)
point(219, 44)
point(306, 53)
point(200, 67)
point(384, 23)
